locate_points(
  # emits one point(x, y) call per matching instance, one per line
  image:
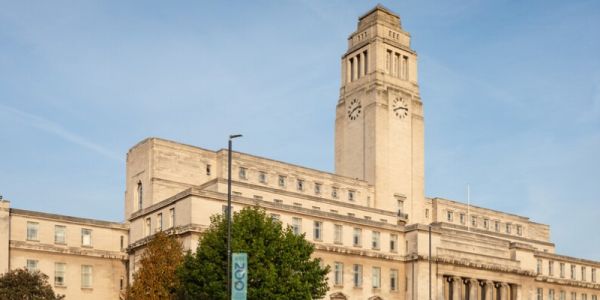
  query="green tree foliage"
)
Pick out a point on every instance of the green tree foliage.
point(21, 284)
point(156, 278)
point(279, 262)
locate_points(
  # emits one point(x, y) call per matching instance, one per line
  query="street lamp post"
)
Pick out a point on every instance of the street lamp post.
point(231, 137)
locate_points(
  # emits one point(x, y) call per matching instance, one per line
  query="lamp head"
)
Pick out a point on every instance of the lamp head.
point(233, 136)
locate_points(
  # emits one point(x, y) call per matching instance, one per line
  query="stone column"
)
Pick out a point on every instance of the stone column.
point(446, 292)
point(516, 292)
point(457, 288)
point(473, 289)
point(488, 290)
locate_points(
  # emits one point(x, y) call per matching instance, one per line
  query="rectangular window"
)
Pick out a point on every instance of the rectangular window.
point(86, 237)
point(122, 242)
point(208, 170)
point(32, 231)
point(427, 213)
point(508, 228)
point(317, 188)
point(297, 225)
point(550, 268)
point(393, 280)
point(388, 61)
point(376, 277)
point(300, 185)
point(350, 195)
point(551, 294)
point(32, 265)
point(242, 173)
point(59, 274)
point(334, 192)
point(262, 177)
point(562, 270)
point(594, 297)
point(317, 231)
point(59, 234)
point(405, 66)
point(338, 274)
point(540, 294)
point(366, 62)
point(86, 276)
point(473, 221)
point(583, 274)
point(357, 272)
point(573, 272)
point(357, 237)
point(172, 217)
point(461, 217)
point(148, 227)
point(159, 222)
point(497, 226)
point(338, 233)
point(539, 266)
point(393, 242)
point(449, 216)
point(281, 181)
point(351, 69)
point(563, 295)
point(573, 296)
point(375, 240)
point(358, 66)
point(593, 275)
point(486, 223)
point(519, 230)
point(583, 296)
point(397, 63)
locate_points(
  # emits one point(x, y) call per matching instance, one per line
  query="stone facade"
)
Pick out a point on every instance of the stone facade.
point(370, 220)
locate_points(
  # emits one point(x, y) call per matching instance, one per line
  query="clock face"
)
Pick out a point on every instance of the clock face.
point(400, 107)
point(354, 109)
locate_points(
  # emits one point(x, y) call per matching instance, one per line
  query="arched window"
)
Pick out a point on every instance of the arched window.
point(338, 296)
point(140, 194)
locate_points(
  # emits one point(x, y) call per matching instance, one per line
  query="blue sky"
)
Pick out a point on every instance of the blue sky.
point(511, 93)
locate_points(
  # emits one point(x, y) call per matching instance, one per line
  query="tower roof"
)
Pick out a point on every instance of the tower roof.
point(381, 14)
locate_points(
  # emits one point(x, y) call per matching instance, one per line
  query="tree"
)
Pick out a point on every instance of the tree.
point(279, 262)
point(156, 278)
point(21, 284)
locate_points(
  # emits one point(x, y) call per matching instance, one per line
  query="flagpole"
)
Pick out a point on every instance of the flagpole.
point(468, 207)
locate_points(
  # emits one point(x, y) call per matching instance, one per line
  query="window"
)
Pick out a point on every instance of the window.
point(508, 228)
point(366, 62)
point(208, 170)
point(562, 270)
point(550, 268)
point(405, 67)
point(317, 230)
point(593, 276)
point(297, 225)
point(393, 280)
point(59, 274)
point(375, 240)
point(427, 213)
point(350, 195)
point(281, 181)
point(275, 217)
point(262, 177)
point(86, 237)
point(242, 173)
point(474, 221)
point(300, 185)
point(462, 218)
point(59, 234)
point(357, 272)
point(573, 273)
point(376, 277)
point(486, 223)
point(393, 243)
point(357, 237)
point(563, 295)
point(540, 294)
point(583, 273)
point(140, 194)
point(539, 266)
point(594, 297)
point(317, 188)
point(86, 276)
point(351, 69)
point(573, 296)
point(334, 192)
point(159, 222)
point(497, 226)
point(388, 61)
point(172, 217)
point(337, 234)
point(122, 242)
point(148, 227)
point(32, 231)
point(550, 294)
point(32, 265)
point(449, 216)
point(519, 230)
point(338, 274)
point(583, 296)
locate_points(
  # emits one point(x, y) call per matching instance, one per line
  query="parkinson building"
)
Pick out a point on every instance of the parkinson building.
point(370, 220)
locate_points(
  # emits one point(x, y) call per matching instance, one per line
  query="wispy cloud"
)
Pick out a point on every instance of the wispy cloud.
point(59, 131)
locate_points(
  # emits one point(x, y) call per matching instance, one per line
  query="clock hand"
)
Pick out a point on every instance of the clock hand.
point(397, 108)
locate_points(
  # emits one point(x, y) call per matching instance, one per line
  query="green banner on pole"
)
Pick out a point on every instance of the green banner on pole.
point(239, 276)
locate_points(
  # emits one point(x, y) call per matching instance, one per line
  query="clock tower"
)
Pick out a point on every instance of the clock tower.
point(379, 130)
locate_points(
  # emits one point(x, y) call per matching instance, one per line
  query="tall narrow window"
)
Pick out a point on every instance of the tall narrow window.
point(540, 294)
point(32, 231)
point(172, 217)
point(497, 226)
point(375, 240)
point(539, 266)
point(519, 230)
point(86, 276)
point(486, 223)
point(357, 237)
point(317, 188)
point(473, 221)
point(148, 227)
point(393, 280)
point(405, 68)
point(297, 225)
point(300, 185)
point(583, 274)
point(562, 270)
point(573, 296)
point(59, 234)
point(208, 170)
point(550, 268)
point(351, 69)
point(388, 62)
point(376, 277)
point(318, 231)
point(393, 242)
point(508, 228)
point(593, 275)
point(357, 272)
point(262, 177)
point(358, 66)
point(397, 65)
point(562, 295)
point(337, 237)
point(461, 217)
point(140, 194)
point(366, 62)
point(281, 181)
point(350, 195)
point(59, 274)
point(334, 192)
point(551, 294)
point(242, 173)
point(450, 216)
point(573, 273)
point(86, 237)
point(32, 265)
point(122, 242)
point(159, 222)
point(338, 276)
